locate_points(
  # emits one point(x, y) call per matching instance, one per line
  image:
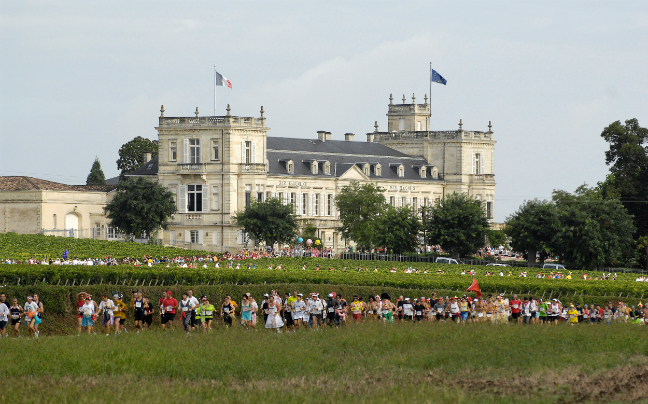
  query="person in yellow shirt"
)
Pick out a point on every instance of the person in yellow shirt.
point(573, 315)
point(119, 313)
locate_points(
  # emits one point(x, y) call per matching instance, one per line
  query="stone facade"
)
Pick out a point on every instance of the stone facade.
point(217, 165)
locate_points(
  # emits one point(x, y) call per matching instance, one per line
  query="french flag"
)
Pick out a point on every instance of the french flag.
point(222, 81)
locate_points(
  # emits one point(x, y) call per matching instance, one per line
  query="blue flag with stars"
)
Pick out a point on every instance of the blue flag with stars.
point(437, 78)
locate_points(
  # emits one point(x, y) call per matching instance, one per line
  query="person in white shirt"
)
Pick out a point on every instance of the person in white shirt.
point(298, 309)
point(106, 307)
point(4, 318)
point(316, 308)
point(194, 303)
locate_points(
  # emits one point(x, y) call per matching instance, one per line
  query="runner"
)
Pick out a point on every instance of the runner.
point(419, 310)
point(330, 310)
point(534, 310)
point(206, 312)
point(340, 311)
point(161, 306)
point(138, 311)
point(490, 309)
point(106, 307)
point(439, 309)
point(39, 314)
point(543, 311)
point(5, 312)
point(408, 310)
point(500, 307)
point(194, 302)
point(80, 297)
point(356, 309)
point(120, 314)
point(255, 309)
point(274, 319)
point(287, 304)
point(464, 309)
point(399, 308)
point(480, 308)
point(554, 311)
point(387, 311)
point(227, 311)
point(31, 315)
point(246, 312)
point(185, 312)
point(170, 304)
point(16, 312)
point(516, 304)
point(315, 307)
point(149, 309)
point(455, 311)
point(89, 310)
point(526, 311)
point(573, 315)
point(297, 311)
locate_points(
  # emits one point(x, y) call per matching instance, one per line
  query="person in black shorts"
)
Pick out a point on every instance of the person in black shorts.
point(265, 307)
point(419, 309)
point(138, 311)
point(330, 310)
point(227, 309)
point(15, 313)
point(148, 313)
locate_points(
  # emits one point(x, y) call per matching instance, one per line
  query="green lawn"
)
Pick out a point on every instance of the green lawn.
point(370, 362)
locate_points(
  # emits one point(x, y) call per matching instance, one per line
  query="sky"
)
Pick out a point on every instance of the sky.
point(78, 79)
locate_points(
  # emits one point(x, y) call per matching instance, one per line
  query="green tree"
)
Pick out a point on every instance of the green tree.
point(131, 154)
point(496, 237)
point(359, 205)
point(397, 229)
point(458, 223)
point(593, 231)
point(532, 229)
point(96, 176)
point(140, 206)
point(270, 222)
point(628, 179)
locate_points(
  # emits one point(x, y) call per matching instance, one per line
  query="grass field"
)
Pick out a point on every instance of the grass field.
point(369, 362)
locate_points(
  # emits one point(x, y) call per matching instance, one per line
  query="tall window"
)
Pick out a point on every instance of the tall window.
point(214, 149)
point(173, 151)
point(216, 198)
point(403, 201)
point(478, 163)
point(54, 221)
point(329, 204)
point(489, 210)
point(194, 151)
point(280, 196)
point(414, 202)
point(248, 152)
point(194, 194)
point(194, 237)
point(304, 203)
point(248, 194)
point(401, 124)
point(316, 201)
point(293, 201)
point(392, 201)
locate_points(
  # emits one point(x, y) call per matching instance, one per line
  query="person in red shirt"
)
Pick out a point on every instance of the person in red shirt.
point(169, 305)
point(515, 304)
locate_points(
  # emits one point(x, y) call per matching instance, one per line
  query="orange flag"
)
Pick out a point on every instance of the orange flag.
point(475, 288)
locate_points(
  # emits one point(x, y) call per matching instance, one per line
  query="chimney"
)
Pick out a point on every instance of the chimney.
point(321, 135)
point(147, 157)
point(328, 135)
point(370, 137)
point(348, 137)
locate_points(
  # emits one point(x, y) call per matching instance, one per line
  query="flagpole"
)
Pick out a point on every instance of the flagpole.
point(430, 105)
point(215, 88)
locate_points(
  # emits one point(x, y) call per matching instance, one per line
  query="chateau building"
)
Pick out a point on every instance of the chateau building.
point(215, 165)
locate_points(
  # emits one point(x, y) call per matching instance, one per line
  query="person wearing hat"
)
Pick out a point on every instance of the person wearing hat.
point(265, 307)
point(516, 314)
point(356, 308)
point(455, 311)
point(438, 310)
point(330, 310)
point(340, 310)
point(89, 310)
point(554, 311)
point(298, 310)
point(80, 297)
point(573, 314)
point(500, 308)
point(106, 307)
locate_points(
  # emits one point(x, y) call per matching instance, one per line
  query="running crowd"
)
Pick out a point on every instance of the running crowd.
point(293, 311)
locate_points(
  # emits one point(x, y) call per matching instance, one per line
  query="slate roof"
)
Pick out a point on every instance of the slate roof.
point(24, 183)
point(150, 168)
point(331, 146)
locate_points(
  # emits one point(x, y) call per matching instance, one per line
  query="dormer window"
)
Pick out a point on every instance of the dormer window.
point(366, 169)
point(289, 165)
point(423, 172)
point(314, 167)
point(327, 167)
point(378, 170)
point(401, 171)
point(434, 172)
